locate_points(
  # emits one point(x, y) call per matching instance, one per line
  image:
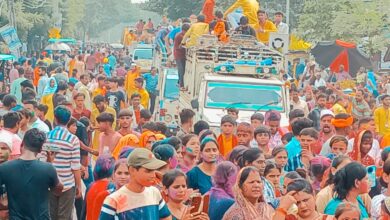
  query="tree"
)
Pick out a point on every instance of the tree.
point(363, 23)
point(316, 21)
point(73, 11)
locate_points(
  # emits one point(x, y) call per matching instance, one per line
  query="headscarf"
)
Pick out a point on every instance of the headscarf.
point(356, 154)
point(129, 140)
point(50, 90)
point(145, 137)
point(342, 123)
point(224, 179)
point(249, 210)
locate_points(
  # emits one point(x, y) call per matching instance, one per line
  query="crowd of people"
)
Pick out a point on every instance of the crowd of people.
point(86, 119)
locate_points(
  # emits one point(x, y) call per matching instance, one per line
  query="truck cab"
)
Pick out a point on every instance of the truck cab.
point(143, 57)
point(241, 74)
point(168, 100)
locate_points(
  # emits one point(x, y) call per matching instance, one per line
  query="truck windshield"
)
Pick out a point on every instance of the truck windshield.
point(171, 90)
point(143, 54)
point(244, 96)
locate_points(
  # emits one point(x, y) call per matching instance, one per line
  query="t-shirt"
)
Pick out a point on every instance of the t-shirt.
point(115, 99)
point(151, 82)
point(197, 179)
point(125, 204)
point(27, 183)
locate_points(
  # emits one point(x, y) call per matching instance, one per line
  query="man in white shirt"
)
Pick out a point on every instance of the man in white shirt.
point(319, 82)
point(278, 20)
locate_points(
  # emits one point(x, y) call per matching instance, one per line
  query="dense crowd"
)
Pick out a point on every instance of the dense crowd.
point(84, 120)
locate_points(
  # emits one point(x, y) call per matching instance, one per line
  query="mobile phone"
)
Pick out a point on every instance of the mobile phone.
point(206, 202)
point(371, 172)
point(196, 203)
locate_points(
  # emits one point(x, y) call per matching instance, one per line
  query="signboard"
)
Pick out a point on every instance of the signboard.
point(8, 33)
point(279, 42)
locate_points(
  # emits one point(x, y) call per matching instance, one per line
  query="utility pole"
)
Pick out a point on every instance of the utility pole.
point(288, 13)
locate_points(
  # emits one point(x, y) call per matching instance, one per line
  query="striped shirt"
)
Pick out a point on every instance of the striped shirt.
point(125, 204)
point(68, 157)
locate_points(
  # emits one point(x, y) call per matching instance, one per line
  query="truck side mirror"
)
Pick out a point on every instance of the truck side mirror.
point(195, 104)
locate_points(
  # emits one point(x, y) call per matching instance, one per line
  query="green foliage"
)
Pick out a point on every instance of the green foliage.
point(362, 22)
point(72, 16)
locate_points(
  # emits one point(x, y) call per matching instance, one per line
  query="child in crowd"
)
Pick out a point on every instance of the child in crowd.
point(338, 145)
point(227, 140)
point(307, 137)
point(189, 152)
point(262, 136)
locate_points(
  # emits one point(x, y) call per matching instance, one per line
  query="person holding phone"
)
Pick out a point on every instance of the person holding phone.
point(177, 194)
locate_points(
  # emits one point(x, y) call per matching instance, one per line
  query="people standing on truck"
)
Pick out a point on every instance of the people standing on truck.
point(219, 27)
point(265, 27)
point(244, 28)
point(249, 7)
point(280, 25)
point(140, 27)
point(151, 80)
point(179, 53)
point(196, 30)
point(208, 10)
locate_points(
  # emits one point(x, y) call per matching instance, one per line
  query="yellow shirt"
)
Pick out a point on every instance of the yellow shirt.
point(48, 100)
point(196, 30)
point(337, 109)
point(382, 120)
point(249, 8)
point(130, 84)
point(268, 27)
point(144, 97)
point(95, 113)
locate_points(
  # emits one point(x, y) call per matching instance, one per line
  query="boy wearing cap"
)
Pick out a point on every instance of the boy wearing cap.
point(139, 199)
point(227, 140)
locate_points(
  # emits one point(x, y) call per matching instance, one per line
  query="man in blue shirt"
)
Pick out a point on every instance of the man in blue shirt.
point(294, 148)
point(151, 86)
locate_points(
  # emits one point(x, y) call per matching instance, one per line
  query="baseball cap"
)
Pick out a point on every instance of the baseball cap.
point(7, 141)
point(142, 157)
point(326, 112)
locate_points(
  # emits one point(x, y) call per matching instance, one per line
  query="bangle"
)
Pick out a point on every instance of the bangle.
point(282, 211)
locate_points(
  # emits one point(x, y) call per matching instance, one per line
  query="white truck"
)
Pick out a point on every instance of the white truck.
point(241, 74)
point(143, 56)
